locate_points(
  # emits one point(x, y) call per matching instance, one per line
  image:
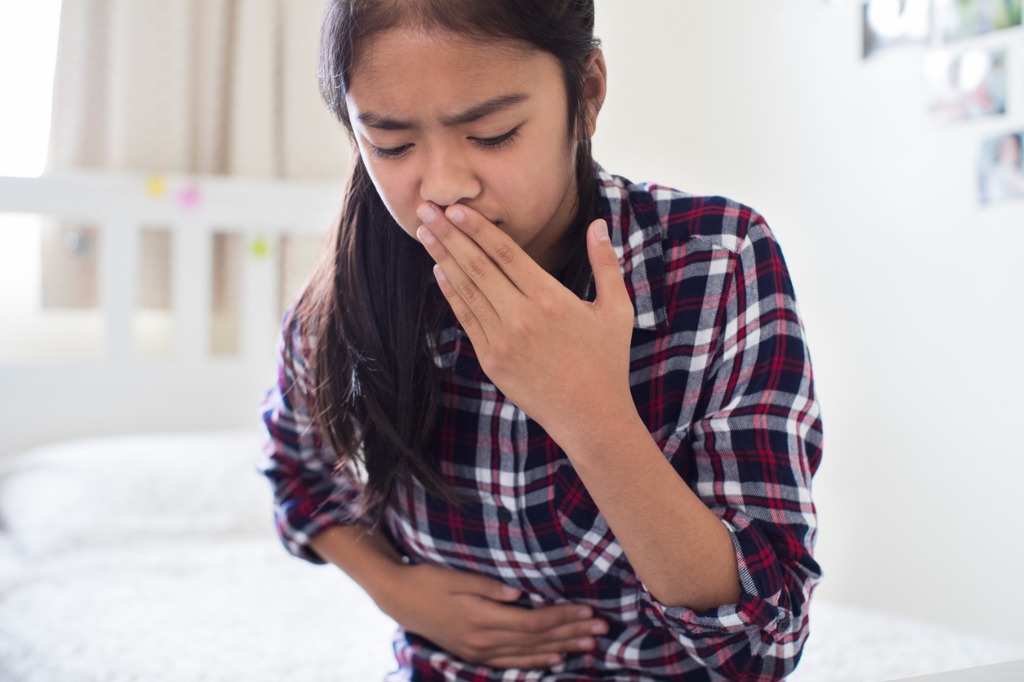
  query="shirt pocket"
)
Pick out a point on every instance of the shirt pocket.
point(602, 563)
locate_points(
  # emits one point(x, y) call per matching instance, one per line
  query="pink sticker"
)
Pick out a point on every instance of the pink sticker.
point(189, 197)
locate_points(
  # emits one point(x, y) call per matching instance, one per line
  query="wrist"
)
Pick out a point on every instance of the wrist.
point(583, 417)
point(610, 430)
point(384, 587)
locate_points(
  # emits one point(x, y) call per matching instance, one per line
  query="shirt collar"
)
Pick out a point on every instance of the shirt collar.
point(636, 232)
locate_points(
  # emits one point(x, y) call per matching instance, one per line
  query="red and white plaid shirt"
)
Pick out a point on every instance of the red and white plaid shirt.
point(720, 374)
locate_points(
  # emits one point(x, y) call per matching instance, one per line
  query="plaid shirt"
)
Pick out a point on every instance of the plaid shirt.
point(721, 376)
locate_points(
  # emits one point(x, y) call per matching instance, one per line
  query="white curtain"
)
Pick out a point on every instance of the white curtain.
point(193, 86)
point(185, 86)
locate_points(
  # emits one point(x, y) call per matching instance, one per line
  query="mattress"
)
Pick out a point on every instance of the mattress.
point(153, 558)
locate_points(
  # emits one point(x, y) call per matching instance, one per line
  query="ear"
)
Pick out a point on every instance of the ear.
point(595, 86)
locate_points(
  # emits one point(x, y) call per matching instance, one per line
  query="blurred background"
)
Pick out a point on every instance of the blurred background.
point(877, 139)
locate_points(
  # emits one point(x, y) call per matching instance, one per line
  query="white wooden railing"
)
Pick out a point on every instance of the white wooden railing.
point(192, 387)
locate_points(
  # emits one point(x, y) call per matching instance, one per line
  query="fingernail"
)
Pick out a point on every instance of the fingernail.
point(584, 612)
point(554, 660)
point(586, 643)
point(425, 236)
point(426, 213)
point(602, 232)
point(456, 215)
point(439, 273)
point(597, 628)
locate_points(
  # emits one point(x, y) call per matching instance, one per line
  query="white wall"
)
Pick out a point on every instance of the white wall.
point(910, 292)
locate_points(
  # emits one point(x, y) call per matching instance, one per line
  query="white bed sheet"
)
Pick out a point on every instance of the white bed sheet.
point(152, 558)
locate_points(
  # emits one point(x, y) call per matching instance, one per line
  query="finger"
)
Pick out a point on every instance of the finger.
point(534, 662)
point(482, 586)
point(471, 259)
point(574, 645)
point(574, 637)
point(577, 635)
point(570, 633)
point(463, 312)
point(519, 268)
point(536, 620)
point(608, 279)
point(513, 631)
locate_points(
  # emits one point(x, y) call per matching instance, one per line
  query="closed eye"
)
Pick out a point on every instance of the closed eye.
point(381, 153)
point(497, 142)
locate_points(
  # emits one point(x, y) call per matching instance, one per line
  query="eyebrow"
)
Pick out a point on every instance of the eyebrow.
point(474, 113)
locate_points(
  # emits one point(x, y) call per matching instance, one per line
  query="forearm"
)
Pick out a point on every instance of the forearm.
point(681, 551)
point(368, 558)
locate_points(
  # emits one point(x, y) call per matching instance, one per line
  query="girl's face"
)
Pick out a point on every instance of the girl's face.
point(445, 119)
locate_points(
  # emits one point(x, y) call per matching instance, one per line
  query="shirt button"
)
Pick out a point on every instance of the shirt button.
point(504, 515)
point(784, 623)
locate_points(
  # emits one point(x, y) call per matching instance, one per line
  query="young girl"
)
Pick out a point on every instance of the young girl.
point(558, 425)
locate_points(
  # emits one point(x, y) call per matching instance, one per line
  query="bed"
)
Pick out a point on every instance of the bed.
point(135, 532)
point(152, 557)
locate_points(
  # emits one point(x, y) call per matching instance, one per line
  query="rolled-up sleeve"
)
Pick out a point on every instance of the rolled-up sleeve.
point(755, 448)
point(310, 492)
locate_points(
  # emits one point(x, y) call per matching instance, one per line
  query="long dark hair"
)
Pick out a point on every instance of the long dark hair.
point(368, 305)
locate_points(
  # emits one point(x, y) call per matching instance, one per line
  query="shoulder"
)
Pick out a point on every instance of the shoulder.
point(681, 251)
point(675, 217)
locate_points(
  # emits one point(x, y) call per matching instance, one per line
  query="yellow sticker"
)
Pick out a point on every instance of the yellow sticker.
point(156, 186)
point(259, 247)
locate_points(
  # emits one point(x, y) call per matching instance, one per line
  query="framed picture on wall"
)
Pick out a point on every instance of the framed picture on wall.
point(966, 18)
point(966, 85)
point(1001, 168)
point(895, 22)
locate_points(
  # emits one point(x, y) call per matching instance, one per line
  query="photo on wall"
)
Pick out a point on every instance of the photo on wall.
point(1001, 168)
point(888, 23)
point(966, 85)
point(967, 18)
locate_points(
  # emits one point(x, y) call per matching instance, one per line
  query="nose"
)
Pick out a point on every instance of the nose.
point(448, 178)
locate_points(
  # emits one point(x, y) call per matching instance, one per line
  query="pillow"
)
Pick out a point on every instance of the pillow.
point(125, 488)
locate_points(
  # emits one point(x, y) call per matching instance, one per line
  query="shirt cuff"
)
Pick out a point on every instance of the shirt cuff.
point(763, 602)
point(299, 521)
